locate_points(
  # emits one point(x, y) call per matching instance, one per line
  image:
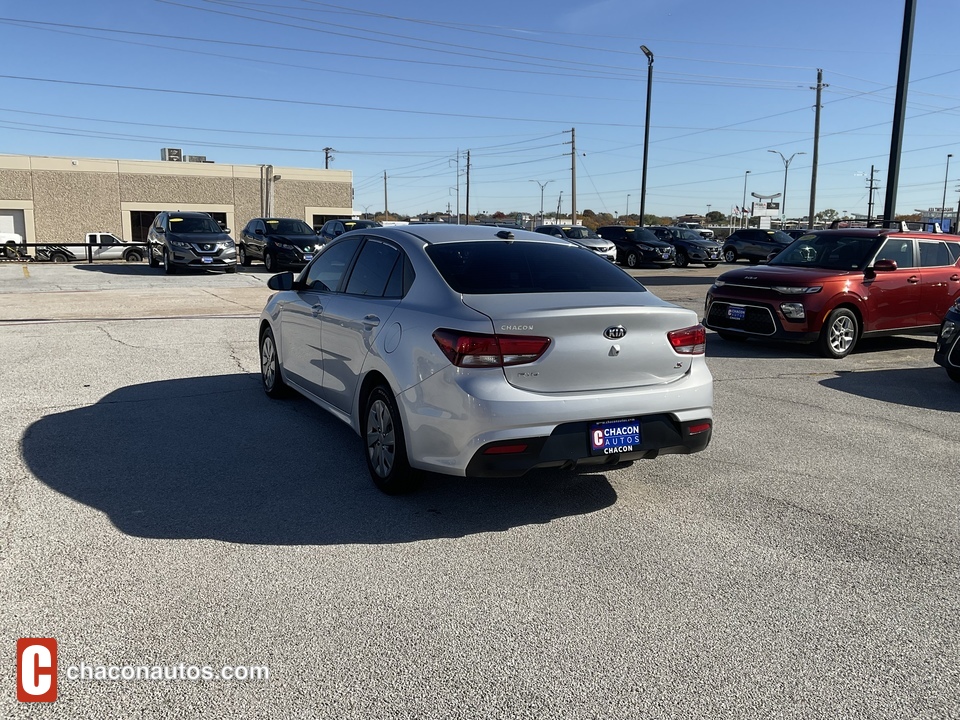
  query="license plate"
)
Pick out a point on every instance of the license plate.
point(206, 259)
point(308, 258)
point(610, 437)
point(736, 313)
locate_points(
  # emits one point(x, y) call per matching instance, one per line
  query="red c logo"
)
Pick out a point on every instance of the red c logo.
point(36, 669)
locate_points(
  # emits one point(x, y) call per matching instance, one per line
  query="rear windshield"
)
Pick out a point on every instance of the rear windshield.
point(492, 266)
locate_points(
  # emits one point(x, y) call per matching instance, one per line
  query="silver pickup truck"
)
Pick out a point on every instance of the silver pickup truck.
point(103, 246)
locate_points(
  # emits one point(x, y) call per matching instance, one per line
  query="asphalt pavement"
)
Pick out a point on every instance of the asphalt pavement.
point(156, 509)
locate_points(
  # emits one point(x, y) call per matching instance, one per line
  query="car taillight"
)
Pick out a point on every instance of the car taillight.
point(689, 341)
point(476, 350)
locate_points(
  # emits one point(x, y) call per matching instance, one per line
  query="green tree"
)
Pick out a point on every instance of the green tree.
point(828, 215)
point(715, 216)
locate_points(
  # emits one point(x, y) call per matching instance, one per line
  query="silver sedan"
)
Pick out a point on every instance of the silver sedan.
point(486, 352)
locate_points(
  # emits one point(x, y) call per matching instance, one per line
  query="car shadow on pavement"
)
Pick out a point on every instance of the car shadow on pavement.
point(754, 348)
point(213, 457)
point(926, 388)
point(119, 268)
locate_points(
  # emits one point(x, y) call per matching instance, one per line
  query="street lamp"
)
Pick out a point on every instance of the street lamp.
point(943, 203)
point(628, 206)
point(542, 186)
point(743, 203)
point(646, 133)
point(783, 201)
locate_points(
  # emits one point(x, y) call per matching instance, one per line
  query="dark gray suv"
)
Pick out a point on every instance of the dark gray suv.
point(185, 239)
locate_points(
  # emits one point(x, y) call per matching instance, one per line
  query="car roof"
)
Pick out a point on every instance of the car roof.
point(446, 233)
point(187, 213)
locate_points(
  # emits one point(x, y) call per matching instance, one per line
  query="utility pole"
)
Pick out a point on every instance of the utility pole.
point(385, 214)
point(327, 157)
point(646, 134)
point(899, 111)
point(816, 149)
point(458, 186)
point(468, 188)
point(871, 187)
point(573, 175)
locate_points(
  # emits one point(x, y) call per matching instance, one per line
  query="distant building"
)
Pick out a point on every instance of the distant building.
point(59, 199)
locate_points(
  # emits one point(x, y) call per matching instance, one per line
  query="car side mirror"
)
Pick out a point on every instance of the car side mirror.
point(281, 282)
point(225, 229)
point(885, 265)
point(337, 233)
point(160, 231)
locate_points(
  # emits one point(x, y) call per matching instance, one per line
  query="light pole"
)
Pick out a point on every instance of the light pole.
point(628, 206)
point(646, 134)
point(786, 167)
point(559, 203)
point(542, 186)
point(706, 219)
point(743, 203)
point(943, 203)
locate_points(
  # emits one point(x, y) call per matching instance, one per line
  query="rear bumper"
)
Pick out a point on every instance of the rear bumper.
point(451, 419)
point(567, 447)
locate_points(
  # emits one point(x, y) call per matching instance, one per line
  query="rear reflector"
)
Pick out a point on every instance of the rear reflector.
point(699, 428)
point(505, 449)
point(689, 341)
point(477, 350)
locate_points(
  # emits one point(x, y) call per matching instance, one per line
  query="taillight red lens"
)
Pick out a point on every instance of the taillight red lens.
point(689, 341)
point(477, 350)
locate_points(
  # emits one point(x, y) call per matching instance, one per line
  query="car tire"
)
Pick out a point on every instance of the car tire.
point(681, 259)
point(632, 259)
point(59, 257)
point(133, 256)
point(730, 255)
point(385, 449)
point(710, 265)
point(269, 261)
point(839, 334)
point(242, 256)
point(168, 267)
point(953, 374)
point(270, 376)
point(151, 260)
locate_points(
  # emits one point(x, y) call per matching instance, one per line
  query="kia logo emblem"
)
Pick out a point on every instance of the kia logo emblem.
point(615, 332)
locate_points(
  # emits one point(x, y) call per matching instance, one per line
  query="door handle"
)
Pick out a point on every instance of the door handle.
point(317, 309)
point(913, 279)
point(955, 278)
point(371, 320)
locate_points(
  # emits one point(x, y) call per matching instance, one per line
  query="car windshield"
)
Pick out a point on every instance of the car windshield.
point(357, 224)
point(580, 233)
point(691, 235)
point(642, 235)
point(194, 225)
point(778, 236)
point(829, 252)
point(491, 267)
point(288, 226)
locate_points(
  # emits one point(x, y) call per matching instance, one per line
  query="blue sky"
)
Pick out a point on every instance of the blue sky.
point(407, 88)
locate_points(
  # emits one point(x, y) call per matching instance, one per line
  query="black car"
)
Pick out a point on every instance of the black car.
point(947, 353)
point(754, 244)
point(690, 245)
point(190, 240)
point(279, 242)
point(336, 228)
point(797, 232)
point(636, 246)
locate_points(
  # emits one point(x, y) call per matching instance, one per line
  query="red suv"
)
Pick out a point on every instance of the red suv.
point(833, 287)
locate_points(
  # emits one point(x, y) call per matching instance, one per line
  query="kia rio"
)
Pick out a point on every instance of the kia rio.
point(485, 352)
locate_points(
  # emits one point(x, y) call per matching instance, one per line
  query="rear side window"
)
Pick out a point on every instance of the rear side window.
point(935, 254)
point(374, 267)
point(491, 267)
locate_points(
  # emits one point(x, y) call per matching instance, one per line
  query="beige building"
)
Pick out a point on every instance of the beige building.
point(59, 200)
